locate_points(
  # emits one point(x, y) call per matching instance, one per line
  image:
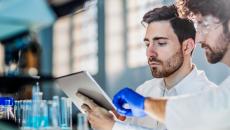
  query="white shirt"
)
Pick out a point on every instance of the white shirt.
point(194, 82)
point(204, 111)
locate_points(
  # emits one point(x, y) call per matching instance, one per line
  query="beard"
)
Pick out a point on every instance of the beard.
point(216, 54)
point(168, 67)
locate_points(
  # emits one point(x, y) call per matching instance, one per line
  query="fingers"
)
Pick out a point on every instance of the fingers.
point(86, 108)
point(113, 111)
point(120, 98)
point(86, 100)
point(119, 101)
point(92, 118)
point(118, 116)
point(90, 114)
point(125, 112)
point(98, 117)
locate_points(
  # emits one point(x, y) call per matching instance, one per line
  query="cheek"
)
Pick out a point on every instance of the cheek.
point(165, 56)
point(168, 52)
point(212, 39)
point(147, 52)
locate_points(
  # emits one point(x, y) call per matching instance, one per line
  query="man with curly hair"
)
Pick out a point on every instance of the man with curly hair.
point(204, 111)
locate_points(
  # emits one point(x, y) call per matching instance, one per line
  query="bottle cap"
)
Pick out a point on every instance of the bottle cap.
point(7, 101)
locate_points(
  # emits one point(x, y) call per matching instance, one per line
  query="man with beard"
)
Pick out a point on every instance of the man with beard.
point(169, 44)
point(203, 111)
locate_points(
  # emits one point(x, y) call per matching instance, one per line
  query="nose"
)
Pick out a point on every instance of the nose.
point(151, 51)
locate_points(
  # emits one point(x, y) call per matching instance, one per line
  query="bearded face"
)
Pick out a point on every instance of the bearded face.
point(216, 53)
point(163, 49)
point(167, 67)
point(212, 34)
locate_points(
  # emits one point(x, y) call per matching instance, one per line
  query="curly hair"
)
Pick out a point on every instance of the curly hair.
point(217, 8)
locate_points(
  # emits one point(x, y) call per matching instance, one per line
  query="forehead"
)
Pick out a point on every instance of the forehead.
point(160, 29)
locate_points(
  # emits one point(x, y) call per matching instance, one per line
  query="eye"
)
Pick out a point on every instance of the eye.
point(147, 44)
point(162, 43)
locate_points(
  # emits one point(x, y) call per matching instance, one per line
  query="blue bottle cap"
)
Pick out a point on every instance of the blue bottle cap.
point(7, 101)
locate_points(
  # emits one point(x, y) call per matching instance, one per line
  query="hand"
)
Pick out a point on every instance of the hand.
point(118, 116)
point(134, 101)
point(99, 118)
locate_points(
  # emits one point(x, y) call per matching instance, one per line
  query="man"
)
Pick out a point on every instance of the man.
point(204, 111)
point(170, 43)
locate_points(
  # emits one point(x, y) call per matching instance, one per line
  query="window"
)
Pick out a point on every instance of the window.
point(61, 40)
point(136, 48)
point(85, 42)
point(124, 32)
point(76, 43)
point(114, 36)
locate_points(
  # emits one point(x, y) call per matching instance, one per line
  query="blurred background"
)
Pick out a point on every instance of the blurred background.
point(60, 37)
point(104, 37)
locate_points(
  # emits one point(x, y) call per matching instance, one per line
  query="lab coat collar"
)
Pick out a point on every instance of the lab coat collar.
point(183, 86)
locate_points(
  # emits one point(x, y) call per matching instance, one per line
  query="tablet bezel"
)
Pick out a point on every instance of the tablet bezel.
point(72, 83)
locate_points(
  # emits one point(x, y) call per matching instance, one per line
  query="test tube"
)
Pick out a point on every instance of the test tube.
point(36, 102)
point(53, 115)
point(26, 107)
point(82, 123)
point(56, 104)
point(43, 115)
point(66, 113)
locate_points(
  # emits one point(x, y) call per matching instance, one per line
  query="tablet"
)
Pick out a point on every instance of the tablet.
point(84, 83)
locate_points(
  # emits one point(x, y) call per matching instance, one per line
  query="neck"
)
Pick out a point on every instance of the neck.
point(177, 76)
point(226, 59)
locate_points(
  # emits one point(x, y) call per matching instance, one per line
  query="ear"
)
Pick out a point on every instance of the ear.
point(188, 46)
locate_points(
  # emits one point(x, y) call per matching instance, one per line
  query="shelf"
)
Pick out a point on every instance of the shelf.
point(12, 84)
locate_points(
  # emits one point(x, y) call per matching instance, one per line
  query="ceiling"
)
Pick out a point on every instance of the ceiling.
point(18, 16)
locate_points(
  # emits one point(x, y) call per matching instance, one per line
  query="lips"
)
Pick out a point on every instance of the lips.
point(154, 64)
point(153, 61)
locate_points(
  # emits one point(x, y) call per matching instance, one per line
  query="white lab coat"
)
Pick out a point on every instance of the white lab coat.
point(195, 81)
point(204, 111)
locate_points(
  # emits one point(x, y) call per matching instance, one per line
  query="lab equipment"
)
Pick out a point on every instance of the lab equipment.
point(82, 123)
point(6, 108)
point(66, 113)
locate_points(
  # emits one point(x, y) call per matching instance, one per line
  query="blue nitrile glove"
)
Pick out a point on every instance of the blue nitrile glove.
point(134, 101)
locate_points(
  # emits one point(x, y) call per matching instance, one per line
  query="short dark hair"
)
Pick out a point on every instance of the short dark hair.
point(183, 27)
point(216, 8)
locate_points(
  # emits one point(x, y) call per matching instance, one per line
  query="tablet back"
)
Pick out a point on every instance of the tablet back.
point(85, 84)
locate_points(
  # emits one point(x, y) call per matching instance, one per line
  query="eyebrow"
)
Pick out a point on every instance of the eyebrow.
point(155, 38)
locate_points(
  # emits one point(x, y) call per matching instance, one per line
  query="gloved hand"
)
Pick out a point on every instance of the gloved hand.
point(134, 101)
